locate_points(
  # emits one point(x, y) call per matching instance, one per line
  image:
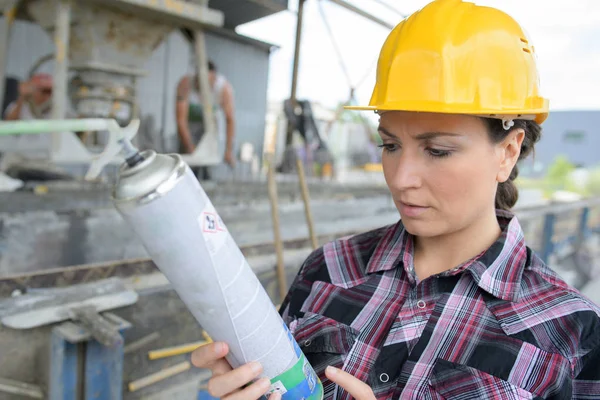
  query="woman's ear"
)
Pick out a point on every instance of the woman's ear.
point(510, 149)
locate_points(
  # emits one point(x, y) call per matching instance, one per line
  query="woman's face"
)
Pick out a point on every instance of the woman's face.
point(442, 169)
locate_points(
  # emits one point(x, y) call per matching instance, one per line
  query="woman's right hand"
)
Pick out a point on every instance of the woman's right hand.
point(227, 383)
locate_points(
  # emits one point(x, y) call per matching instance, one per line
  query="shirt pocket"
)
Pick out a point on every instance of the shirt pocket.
point(323, 340)
point(455, 381)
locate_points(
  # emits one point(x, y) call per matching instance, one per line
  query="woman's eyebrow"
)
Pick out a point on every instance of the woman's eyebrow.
point(433, 135)
point(385, 132)
point(420, 136)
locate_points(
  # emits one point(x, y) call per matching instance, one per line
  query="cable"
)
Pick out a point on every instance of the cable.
point(335, 45)
point(339, 54)
point(352, 97)
point(389, 7)
point(367, 72)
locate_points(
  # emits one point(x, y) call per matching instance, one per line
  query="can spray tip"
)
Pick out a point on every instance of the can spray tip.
point(119, 142)
point(132, 155)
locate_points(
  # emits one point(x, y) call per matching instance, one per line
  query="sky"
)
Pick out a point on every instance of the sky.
point(566, 36)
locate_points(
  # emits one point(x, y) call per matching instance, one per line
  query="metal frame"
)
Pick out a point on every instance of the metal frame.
point(176, 12)
point(67, 140)
point(61, 69)
point(551, 244)
point(363, 13)
point(63, 368)
point(71, 347)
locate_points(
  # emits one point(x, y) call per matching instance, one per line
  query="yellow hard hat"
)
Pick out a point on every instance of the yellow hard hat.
point(456, 57)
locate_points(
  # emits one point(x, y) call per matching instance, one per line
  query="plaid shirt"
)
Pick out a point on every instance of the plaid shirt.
point(500, 326)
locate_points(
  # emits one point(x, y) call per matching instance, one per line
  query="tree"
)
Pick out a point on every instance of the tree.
point(558, 175)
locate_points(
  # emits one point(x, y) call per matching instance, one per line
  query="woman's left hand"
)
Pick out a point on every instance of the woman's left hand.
point(357, 389)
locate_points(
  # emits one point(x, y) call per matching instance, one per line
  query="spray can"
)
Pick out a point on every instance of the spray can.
point(163, 202)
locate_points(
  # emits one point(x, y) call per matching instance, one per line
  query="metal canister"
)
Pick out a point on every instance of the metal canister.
point(163, 202)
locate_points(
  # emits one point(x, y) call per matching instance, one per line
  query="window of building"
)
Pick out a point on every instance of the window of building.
point(574, 137)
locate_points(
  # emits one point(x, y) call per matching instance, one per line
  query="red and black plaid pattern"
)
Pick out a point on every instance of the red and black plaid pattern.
point(500, 326)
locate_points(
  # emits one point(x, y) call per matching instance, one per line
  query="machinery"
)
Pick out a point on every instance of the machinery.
point(101, 47)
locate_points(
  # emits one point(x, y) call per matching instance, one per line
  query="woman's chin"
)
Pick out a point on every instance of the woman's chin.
point(422, 228)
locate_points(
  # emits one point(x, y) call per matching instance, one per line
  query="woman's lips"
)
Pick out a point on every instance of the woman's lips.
point(411, 210)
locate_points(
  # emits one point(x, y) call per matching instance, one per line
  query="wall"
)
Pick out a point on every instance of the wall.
point(553, 143)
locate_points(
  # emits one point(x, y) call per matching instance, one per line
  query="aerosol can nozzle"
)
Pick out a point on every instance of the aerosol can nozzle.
point(119, 142)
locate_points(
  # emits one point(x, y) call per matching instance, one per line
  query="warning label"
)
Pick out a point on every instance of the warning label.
point(210, 222)
point(213, 229)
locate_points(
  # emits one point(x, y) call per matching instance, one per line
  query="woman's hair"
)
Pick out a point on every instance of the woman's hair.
point(507, 194)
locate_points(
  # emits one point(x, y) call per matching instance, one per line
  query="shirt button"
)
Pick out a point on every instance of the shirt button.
point(384, 377)
point(421, 304)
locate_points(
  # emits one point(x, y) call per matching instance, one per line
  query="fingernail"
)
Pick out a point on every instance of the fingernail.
point(256, 367)
point(275, 396)
point(332, 370)
point(218, 348)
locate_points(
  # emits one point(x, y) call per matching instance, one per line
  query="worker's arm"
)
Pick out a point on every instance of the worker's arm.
point(181, 114)
point(13, 111)
point(227, 103)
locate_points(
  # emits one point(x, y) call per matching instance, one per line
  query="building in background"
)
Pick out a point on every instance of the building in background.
point(573, 134)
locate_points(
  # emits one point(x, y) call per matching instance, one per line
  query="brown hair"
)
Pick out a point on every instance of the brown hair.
point(507, 194)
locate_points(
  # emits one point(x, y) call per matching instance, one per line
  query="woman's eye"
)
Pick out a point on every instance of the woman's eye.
point(389, 147)
point(437, 153)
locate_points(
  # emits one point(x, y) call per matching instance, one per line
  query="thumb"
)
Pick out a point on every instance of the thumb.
point(357, 389)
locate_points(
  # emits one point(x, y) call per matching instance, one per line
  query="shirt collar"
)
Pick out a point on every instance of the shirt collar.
point(498, 270)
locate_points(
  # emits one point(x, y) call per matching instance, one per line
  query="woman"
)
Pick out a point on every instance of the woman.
point(448, 303)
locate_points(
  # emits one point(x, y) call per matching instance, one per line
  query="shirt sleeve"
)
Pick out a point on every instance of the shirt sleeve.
point(587, 382)
point(299, 291)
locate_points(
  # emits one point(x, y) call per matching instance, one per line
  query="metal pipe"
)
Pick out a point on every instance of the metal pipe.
point(363, 13)
point(46, 126)
point(61, 60)
point(306, 200)
point(273, 200)
point(62, 32)
point(210, 125)
point(297, 50)
point(10, 12)
point(290, 129)
point(166, 82)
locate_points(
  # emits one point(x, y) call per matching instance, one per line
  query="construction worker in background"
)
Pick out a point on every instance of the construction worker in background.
point(34, 101)
point(448, 302)
point(20, 154)
point(190, 115)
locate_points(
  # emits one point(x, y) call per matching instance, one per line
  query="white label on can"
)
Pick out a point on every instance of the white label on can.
point(309, 375)
point(213, 229)
point(277, 387)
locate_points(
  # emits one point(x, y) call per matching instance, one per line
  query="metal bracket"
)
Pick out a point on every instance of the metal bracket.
point(72, 345)
point(75, 333)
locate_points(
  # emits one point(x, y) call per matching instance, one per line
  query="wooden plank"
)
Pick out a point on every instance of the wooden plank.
point(159, 376)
